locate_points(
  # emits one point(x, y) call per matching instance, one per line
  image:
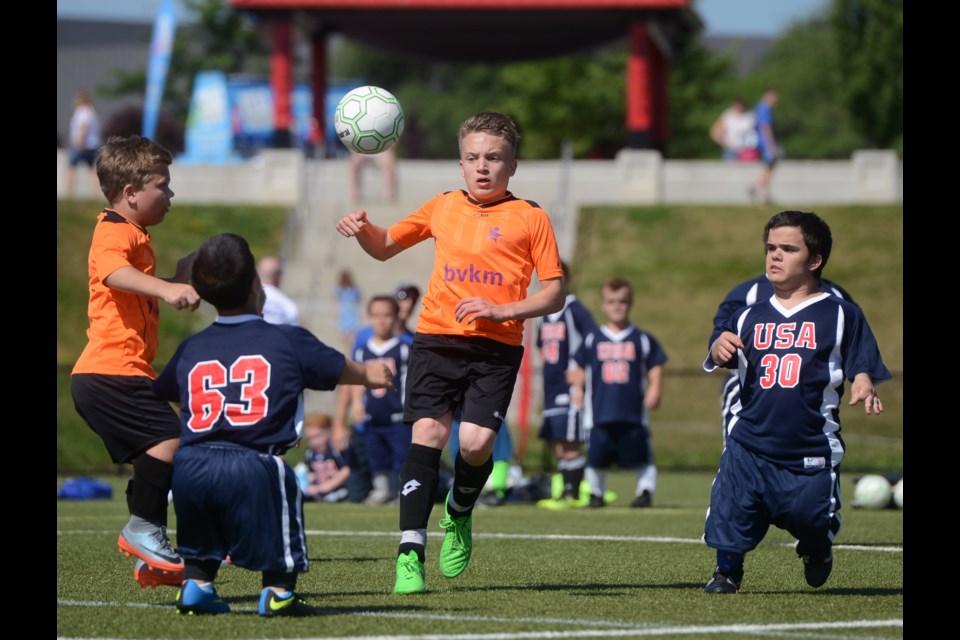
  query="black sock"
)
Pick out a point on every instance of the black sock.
point(282, 579)
point(152, 479)
point(468, 482)
point(407, 547)
point(418, 486)
point(129, 494)
point(572, 472)
point(201, 570)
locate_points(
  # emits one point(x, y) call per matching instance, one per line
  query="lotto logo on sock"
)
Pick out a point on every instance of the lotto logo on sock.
point(410, 487)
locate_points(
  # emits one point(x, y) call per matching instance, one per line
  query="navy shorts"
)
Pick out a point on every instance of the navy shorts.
point(562, 427)
point(479, 374)
point(231, 500)
point(386, 445)
point(623, 443)
point(123, 411)
point(750, 493)
point(85, 156)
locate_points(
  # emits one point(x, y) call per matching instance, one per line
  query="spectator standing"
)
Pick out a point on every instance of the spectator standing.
point(768, 143)
point(736, 133)
point(84, 141)
point(348, 299)
point(279, 307)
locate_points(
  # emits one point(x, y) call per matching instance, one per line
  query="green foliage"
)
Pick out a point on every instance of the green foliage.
point(611, 572)
point(811, 120)
point(869, 39)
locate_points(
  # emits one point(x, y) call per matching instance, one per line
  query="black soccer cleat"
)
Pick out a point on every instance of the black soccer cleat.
point(723, 583)
point(817, 570)
point(643, 500)
point(596, 502)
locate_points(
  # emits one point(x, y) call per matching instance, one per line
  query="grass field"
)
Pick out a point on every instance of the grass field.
point(682, 260)
point(608, 573)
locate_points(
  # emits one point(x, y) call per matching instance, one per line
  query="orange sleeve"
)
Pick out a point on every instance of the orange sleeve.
point(543, 247)
point(415, 227)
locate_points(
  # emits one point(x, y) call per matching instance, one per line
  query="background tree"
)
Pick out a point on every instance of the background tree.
point(869, 40)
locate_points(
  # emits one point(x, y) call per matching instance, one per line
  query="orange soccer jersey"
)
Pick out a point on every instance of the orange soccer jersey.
point(482, 250)
point(122, 338)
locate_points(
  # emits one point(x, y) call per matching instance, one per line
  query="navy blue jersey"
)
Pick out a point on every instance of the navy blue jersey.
point(242, 379)
point(325, 464)
point(753, 291)
point(616, 365)
point(791, 374)
point(382, 405)
point(559, 335)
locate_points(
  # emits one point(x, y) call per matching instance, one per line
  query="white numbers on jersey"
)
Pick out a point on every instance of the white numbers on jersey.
point(208, 403)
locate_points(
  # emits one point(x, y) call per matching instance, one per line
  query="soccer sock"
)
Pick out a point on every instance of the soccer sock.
point(730, 563)
point(200, 570)
point(381, 482)
point(418, 492)
point(597, 481)
point(498, 477)
point(152, 479)
point(572, 471)
point(647, 479)
point(279, 580)
point(468, 481)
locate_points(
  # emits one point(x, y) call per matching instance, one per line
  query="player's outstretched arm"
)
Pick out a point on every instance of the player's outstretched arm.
point(724, 349)
point(863, 390)
point(548, 300)
point(181, 296)
point(375, 240)
point(375, 375)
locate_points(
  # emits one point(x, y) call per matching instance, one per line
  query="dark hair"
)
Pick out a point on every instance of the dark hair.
point(816, 233)
point(616, 284)
point(404, 291)
point(390, 300)
point(131, 160)
point(496, 124)
point(224, 271)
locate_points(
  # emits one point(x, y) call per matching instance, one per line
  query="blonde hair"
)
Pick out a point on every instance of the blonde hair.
point(496, 124)
point(130, 160)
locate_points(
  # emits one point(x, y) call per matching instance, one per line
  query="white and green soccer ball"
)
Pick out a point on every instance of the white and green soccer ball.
point(368, 120)
point(872, 492)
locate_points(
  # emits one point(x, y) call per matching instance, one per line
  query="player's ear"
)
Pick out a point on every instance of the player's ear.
point(814, 262)
point(513, 167)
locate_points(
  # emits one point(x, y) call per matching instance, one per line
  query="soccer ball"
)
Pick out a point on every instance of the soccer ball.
point(898, 494)
point(368, 120)
point(872, 492)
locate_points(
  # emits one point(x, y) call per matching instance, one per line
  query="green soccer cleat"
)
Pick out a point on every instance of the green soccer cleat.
point(457, 544)
point(410, 574)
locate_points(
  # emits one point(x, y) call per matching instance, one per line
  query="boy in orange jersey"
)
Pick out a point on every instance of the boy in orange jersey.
point(111, 379)
point(467, 348)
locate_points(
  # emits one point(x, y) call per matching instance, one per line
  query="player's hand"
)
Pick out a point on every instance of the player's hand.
point(862, 390)
point(651, 399)
point(352, 223)
point(184, 269)
point(379, 376)
point(471, 309)
point(724, 349)
point(181, 296)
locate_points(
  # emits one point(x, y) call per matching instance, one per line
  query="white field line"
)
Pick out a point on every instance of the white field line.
point(628, 632)
point(527, 536)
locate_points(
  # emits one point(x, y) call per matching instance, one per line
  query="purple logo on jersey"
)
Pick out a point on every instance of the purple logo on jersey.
point(494, 234)
point(472, 274)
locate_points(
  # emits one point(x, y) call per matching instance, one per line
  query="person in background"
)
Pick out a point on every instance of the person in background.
point(279, 307)
point(769, 144)
point(328, 468)
point(84, 141)
point(735, 132)
point(348, 299)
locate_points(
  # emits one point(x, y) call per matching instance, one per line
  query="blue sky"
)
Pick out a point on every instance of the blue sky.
point(722, 17)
